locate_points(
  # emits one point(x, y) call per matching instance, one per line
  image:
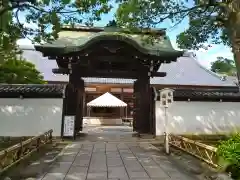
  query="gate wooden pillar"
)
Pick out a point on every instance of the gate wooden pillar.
point(142, 104)
point(84, 103)
point(69, 103)
point(152, 112)
point(135, 105)
point(79, 85)
point(73, 101)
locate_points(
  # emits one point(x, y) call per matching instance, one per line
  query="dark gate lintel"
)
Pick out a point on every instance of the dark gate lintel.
point(107, 74)
point(112, 58)
point(158, 74)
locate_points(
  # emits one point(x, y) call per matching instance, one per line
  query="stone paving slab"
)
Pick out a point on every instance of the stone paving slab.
point(113, 161)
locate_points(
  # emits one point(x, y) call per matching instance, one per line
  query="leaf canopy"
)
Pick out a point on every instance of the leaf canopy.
point(45, 17)
point(15, 71)
point(210, 21)
point(224, 66)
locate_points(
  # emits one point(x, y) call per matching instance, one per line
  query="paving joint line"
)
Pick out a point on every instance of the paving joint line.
point(139, 161)
point(106, 158)
point(54, 159)
point(72, 162)
point(158, 163)
point(90, 161)
point(123, 161)
point(169, 158)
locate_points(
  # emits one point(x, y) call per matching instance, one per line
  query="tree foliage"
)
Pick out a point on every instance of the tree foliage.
point(224, 66)
point(14, 71)
point(44, 19)
point(214, 20)
point(48, 15)
point(209, 20)
point(229, 150)
point(112, 23)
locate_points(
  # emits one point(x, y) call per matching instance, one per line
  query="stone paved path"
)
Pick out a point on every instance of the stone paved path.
point(113, 161)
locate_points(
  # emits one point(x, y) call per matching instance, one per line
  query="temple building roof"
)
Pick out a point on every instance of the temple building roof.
point(186, 71)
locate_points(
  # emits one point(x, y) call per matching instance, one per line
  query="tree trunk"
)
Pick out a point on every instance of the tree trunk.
point(234, 27)
point(4, 17)
point(4, 21)
point(236, 55)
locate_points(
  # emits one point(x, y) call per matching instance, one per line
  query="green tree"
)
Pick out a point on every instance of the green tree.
point(16, 70)
point(112, 23)
point(210, 21)
point(224, 66)
point(48, 15)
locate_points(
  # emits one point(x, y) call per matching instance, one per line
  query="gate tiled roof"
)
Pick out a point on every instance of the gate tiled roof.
point(72, 43)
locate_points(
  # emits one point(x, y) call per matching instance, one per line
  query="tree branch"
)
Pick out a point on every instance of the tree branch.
point(4, 9)
point(60, 12)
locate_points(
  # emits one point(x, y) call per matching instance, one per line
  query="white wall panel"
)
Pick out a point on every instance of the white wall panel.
point(29, 117)
point(199, 117)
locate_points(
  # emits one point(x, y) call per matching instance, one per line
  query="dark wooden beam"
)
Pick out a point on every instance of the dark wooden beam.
point(158, 74)
point(105, 73)
point(109, 58)
point(60, 71)
point(122, 57)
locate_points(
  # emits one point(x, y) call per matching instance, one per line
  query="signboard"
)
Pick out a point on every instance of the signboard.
point(68, 128)
point(166, 97)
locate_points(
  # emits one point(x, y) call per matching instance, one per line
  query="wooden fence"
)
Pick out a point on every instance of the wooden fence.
point(14, 154)
point(202, 151)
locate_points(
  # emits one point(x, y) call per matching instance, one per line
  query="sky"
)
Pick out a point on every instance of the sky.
point(204, 57)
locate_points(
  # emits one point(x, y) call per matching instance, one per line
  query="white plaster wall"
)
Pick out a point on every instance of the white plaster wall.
point(29, 117)
point(199, 117)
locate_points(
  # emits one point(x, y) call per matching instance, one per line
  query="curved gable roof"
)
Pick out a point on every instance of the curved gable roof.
point(186, 71)
point(72, 41)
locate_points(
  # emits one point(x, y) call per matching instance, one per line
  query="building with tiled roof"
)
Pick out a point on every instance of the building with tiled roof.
point(185, 72)
point(92, 55)
point(191, 80)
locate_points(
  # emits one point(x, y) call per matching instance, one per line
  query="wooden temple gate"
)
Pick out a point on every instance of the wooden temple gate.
point(143, 116)
point(144, 104)
point(110, 55)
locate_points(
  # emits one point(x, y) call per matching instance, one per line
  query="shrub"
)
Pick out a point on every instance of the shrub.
point(229, 150)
